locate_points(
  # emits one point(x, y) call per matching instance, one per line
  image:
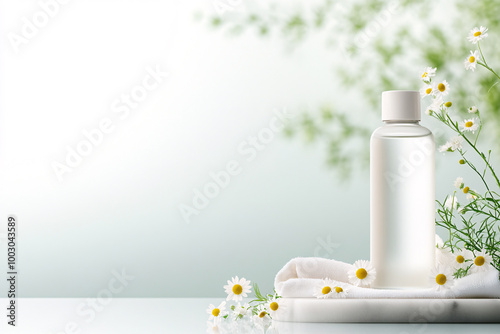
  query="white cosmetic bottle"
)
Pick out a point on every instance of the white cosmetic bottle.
point(402, 195)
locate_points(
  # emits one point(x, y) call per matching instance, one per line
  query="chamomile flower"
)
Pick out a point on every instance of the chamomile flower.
point(459, 183)
point(445, 147)
point(471, 195)
point(482, 261)
point(441, 278)
point(442, 88)
point(216, 312)
point(451, 203)
point(472, 110)
point(456, 143)
point(237, 288)
point(428, 73)
point(363, 274)
point(435, 106)
point(274, 305)
point(262, 311)
point(461, 258)
point(471, 125)
point(241, 310)
point(477, 34)
point(471, 61)
point(262, 318)
point(340, 291)
point(427, 90)
point(447, 105)
point(324, 289)
point(213, 327)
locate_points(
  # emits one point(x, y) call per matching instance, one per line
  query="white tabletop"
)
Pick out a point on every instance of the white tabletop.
point(174, 315)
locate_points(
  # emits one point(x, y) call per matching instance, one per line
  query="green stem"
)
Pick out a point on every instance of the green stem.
point(488, 68)
point(455, 127)
point(481, 51)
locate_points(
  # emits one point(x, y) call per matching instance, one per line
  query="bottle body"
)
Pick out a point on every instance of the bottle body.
point(402, 205)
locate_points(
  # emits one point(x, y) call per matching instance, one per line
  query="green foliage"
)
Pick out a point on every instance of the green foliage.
point(333, 128)
point(478, 226)
point(382, 63)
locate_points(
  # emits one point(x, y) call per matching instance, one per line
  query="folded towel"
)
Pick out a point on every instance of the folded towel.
point(300, 276)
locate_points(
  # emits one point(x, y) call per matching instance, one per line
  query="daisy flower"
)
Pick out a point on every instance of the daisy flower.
point(477, 34)
point(262, 318)
point(472, 110)
point(237, 288)
point(459, 183)
point(446, 105)
point(471, 195)
point(427, 90)
point(363, 273)
point(460, 259)
point(443, 88)
point(241, 310)
point(441, 278)
point(216, 312)
point(456, 143)
point(339, 291)
point(428, 73)
point(274, 306)
point(451, 203)
point(471, 61)
point(469, 125)
point(324, 289)
point(435, 106)
point(482, 261)
point(261, 311)
point(445, 147)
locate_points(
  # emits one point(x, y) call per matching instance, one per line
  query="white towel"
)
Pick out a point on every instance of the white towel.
point(300, 276)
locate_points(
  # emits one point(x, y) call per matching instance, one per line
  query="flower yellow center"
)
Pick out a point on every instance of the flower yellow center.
point(472, 59)
point(428, 91)
point(477, 33)
point(262, 314)
point(466, 190)
point(274, 306)
point(441, 87)
point(237, 289)
point(479, 261)
point(326, 290)
point(215, 312)
point(460, 259)
point(424, 75)
point(468, 124)
point(361, 273)
point(441, 279)
point(338, 289)
point(448, 104)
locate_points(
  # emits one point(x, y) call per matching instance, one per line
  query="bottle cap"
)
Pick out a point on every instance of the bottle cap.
point(401, 105)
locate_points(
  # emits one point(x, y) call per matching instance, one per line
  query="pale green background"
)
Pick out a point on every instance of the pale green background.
point(119, 208)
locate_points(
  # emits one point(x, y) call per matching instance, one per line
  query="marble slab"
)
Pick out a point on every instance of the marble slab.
point(389, 310)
